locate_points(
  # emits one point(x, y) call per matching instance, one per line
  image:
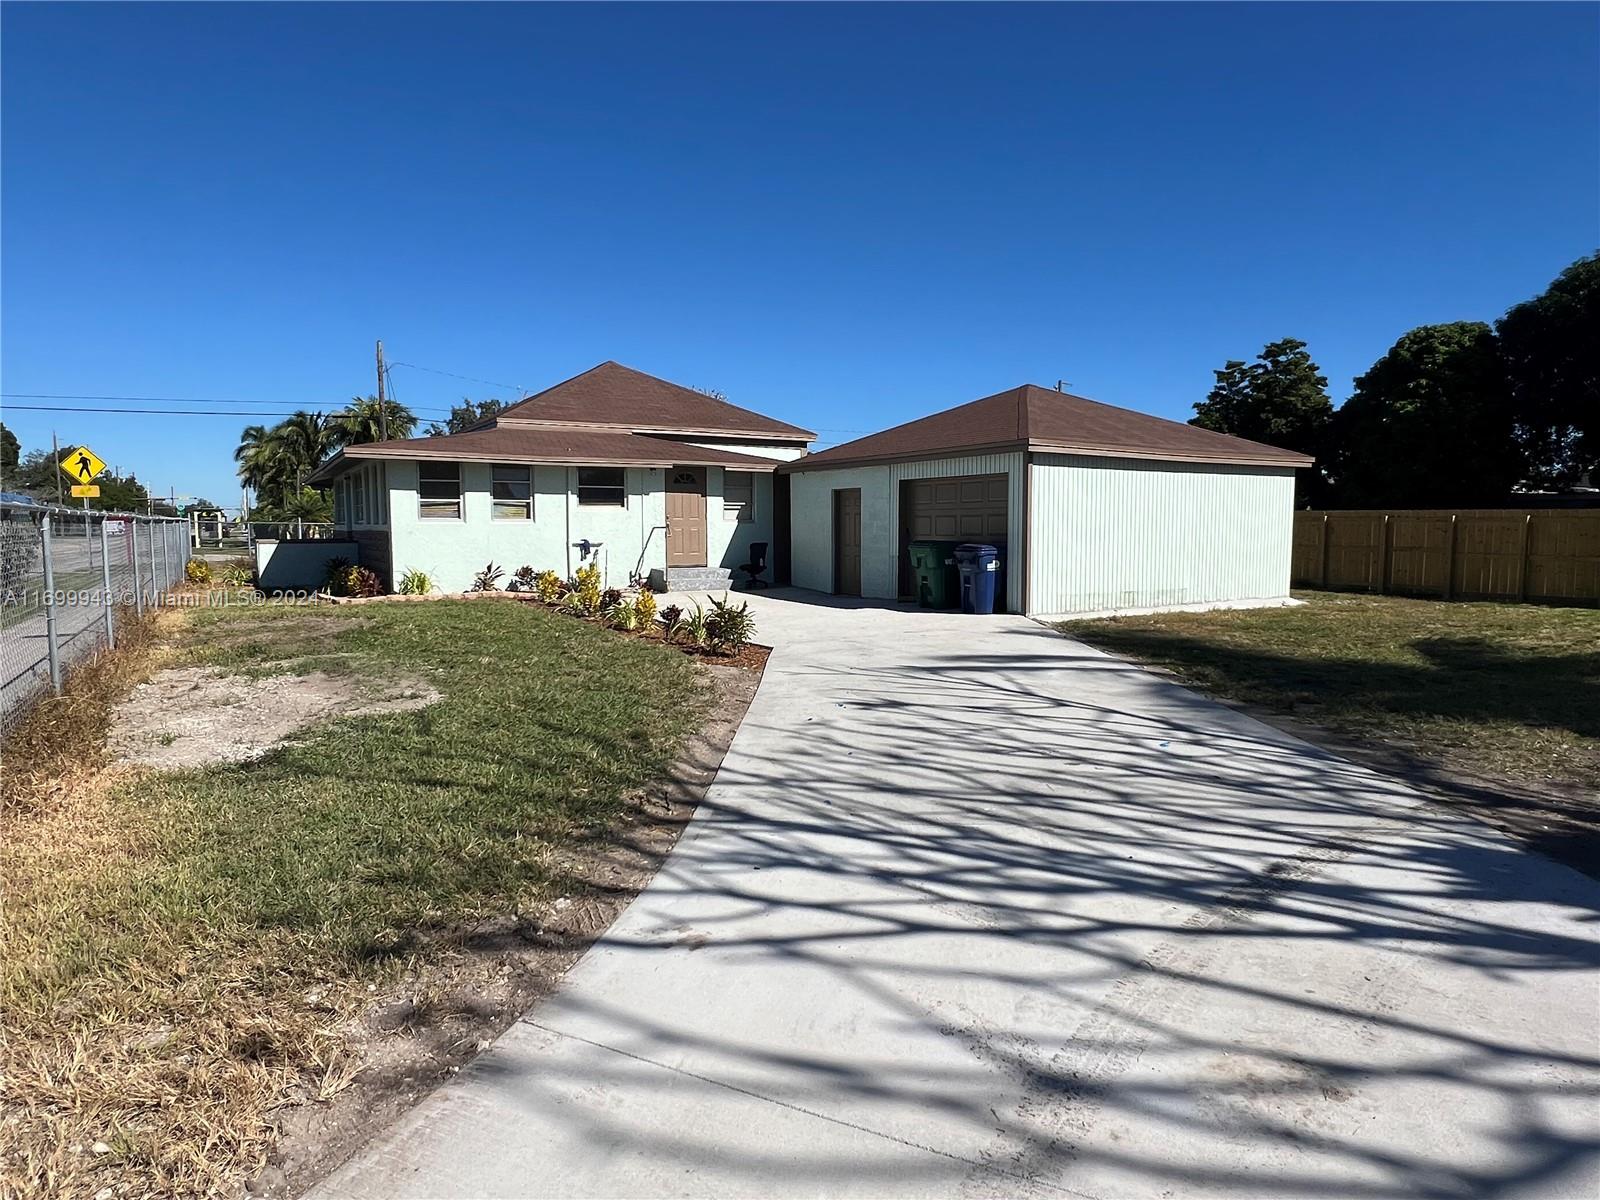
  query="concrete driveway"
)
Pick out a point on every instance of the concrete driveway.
point(974, 910)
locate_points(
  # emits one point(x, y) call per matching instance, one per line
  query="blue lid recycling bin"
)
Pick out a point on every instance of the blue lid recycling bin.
point(980, 571)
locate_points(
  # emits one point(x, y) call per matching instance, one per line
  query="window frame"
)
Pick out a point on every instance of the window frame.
point(744, 513)
point(438, 465)
point(524, 505)
point(620, 488)
point(358, 514)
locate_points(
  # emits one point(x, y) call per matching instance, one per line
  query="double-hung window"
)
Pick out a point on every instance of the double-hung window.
point(739, 495)
point(602, 485)
point(438, 490)
point(360, 481)
point(511, 493)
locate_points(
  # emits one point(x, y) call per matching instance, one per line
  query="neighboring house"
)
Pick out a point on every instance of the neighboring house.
point(1096, 508)
point(612, 466)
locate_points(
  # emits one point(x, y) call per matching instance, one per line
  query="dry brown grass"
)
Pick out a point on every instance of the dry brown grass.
point(182, 956)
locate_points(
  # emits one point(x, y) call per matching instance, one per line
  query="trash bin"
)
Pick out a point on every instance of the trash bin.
point(980, 572)
point(933, 569)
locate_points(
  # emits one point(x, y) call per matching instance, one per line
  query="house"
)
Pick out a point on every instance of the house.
point(1095, 508)
point(612, 466)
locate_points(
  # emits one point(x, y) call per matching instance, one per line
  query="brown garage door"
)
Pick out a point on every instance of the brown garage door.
point(962, 508)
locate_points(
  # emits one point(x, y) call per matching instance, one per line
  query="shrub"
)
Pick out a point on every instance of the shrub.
point(610, 598)
point(549, 586)
point(522, 579)
point(645, 605)
point(622, 615)
point(336, 578)
point(237, 573)
point(362, 581)
point(585, 589)
point(488, 579)
point(696, 625)
point(415, 583)
point(671, 621)
point(197, 570)
point(729, 629)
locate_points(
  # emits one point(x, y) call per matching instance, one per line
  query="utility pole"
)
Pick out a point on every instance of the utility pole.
point(383, 417)
point(55, 451)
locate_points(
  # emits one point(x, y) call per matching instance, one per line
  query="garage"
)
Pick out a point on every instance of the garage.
point(1097, 509)
point(963, 508)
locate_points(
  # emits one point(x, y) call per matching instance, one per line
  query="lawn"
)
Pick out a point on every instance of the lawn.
point(1504, 693)
point(181, 947)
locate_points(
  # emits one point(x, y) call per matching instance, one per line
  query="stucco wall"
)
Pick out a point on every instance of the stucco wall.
point(1113, 534)
point(811, 508)
point(298, 565)
point(632, 537)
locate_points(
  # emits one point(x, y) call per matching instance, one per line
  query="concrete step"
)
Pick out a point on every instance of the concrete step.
point(699, 579)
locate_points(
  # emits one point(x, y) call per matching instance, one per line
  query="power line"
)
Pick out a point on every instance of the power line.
point(176, 412)
point(469, 378)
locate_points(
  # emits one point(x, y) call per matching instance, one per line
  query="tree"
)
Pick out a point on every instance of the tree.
point(360, 422)
point(1428, 425)
point(1551, 349)
point(10, 451)
point(301, 442)
point(465, 415)
point(1280, 399)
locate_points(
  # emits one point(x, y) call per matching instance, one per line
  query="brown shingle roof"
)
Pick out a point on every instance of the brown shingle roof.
point(546, 444)
point(617, 396)
point(1038, 418)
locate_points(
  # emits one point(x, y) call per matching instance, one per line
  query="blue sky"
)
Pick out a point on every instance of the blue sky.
point(845, 216)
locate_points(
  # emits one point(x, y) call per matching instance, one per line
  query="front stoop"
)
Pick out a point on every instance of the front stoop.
point(698, 579)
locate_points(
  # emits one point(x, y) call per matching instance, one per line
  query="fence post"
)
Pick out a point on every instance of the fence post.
point(1450, 562)
point(138, 581)
point(1385, 554)
point(166, 570)
point(51, 639)
point(150, 545)
point(105, 579)
point(1522, 559)
point(1322, 581)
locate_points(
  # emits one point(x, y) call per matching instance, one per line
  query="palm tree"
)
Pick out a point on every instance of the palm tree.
point(303, 441)
point(361, 422)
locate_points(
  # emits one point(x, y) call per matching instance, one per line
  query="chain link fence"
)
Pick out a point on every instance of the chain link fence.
point(65, 575)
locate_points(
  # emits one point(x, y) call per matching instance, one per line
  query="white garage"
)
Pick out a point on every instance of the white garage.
point(1095, 508)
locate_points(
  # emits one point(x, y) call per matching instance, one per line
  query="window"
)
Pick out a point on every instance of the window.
point(739, 495)
point(340, 517)
point(602, 485)
point(438, 490)
point(511, 493)
point(360, 480)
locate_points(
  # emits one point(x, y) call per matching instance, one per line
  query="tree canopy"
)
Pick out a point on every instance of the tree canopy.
point(361, 422)
point(1551, 349)
point(10, 450)
point(1280, 399)
point(1428, 425)
point(465, 415)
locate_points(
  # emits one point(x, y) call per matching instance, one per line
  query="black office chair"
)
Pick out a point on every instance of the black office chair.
point(757, 566)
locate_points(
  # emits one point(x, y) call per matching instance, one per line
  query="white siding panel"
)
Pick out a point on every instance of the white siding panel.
point(811, 519)
point(1112, 534)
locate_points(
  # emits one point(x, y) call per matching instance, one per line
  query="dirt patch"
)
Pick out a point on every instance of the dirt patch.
point(478, 980)
point(197, 716)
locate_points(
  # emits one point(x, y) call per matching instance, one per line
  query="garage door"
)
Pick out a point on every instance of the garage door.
point(962, 508)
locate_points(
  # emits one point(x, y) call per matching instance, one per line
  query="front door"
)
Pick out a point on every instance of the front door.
point(686, 517)
point(847, 542)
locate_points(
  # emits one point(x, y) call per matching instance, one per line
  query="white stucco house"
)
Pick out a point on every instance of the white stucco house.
point(1095, 509)
point(613, 466)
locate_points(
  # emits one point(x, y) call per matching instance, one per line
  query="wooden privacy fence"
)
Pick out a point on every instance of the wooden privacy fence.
point(1547, 555)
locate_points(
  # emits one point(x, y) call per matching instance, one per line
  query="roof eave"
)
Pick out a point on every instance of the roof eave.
point(1242, 459)
point(873, 460)
point(378, 451)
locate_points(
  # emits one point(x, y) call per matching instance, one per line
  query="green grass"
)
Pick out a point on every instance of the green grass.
point(1496, 690)
point(211, 901)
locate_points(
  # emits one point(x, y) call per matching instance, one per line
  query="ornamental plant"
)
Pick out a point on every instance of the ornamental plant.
point(729, 629)
point(522, 579)
point(645, 605)
point(548, 586)
point(197, 570)
point(415, 583)
point(488, 579)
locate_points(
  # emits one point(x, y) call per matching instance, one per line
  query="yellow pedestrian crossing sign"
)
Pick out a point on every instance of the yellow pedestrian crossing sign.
point(82, 464)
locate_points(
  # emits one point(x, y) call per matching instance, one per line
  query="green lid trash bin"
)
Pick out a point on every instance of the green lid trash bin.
point(933, 568)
